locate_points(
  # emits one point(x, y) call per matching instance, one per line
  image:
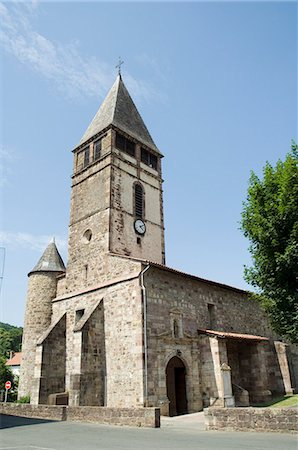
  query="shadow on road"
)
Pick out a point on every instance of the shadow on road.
point(16, 421)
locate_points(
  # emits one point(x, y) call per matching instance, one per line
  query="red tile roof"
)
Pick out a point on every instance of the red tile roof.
point(15, 360)
point(224, 334)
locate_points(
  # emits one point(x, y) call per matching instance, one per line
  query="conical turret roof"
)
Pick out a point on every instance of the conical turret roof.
point(50, 261)
point(118, 109)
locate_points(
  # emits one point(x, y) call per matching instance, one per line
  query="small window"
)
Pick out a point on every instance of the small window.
point(79, 314)
point(130, 147)
point(87, 236)
point(86, 156)
point(149, 159)
point(139, 201)
point(122, 143)
point(175, 328)
point(97, 150)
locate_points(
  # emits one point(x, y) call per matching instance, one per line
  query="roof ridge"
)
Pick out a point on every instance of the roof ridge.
point(117, 81)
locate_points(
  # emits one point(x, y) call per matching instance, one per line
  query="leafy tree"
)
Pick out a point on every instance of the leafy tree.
point(10, 339)
point(5, 374)
point(270, 222)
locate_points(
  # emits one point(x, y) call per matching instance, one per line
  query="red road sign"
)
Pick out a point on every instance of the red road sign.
point(7, 385)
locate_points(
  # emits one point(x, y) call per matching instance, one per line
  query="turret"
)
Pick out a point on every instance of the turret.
point(42, 287)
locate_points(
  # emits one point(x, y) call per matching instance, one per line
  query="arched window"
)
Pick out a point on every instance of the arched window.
point(175, 328)
point(139, 201)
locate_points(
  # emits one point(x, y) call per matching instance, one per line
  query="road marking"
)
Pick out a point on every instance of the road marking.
point(27, 446)
point(41, 448)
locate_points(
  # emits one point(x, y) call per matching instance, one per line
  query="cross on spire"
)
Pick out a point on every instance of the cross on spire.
point(119, 65)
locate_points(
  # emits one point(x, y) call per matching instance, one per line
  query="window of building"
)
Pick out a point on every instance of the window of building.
point(175, 328)
point(86, 271)
point(86, 156)
point(79, 314)
point(139, 201)
point(97, 149)
point(87, 236)
point(149, 159)
point(122, 143)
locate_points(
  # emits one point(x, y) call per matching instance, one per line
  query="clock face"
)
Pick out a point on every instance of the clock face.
point(140, 227)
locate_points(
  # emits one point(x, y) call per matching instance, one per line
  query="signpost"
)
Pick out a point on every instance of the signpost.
point(7, 387)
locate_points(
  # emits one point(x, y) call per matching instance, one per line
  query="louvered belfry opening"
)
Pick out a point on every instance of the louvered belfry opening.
point(97, 149)
point(139, 208)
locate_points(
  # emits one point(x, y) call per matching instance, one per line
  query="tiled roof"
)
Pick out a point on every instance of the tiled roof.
point(50, 261)
point(15, 360)
point(224, 334)
point(179, 272)
point(118, 109)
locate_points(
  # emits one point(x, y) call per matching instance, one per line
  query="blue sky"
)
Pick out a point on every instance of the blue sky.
point(216, 84)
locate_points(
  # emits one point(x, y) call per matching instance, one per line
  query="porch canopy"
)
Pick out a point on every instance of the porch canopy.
point(236, 336)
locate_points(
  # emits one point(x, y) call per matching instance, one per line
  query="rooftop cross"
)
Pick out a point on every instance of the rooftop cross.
point(119, 65)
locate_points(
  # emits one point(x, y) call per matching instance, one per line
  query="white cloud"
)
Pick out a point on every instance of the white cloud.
point(73, 74)
point(30, 241)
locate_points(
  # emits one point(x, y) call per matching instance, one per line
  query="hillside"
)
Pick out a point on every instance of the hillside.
point(10, 339)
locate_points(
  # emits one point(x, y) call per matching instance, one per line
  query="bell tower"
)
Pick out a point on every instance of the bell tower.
point(116, 200)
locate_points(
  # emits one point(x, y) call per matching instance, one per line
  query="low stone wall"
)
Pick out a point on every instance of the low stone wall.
point(34, 411)
point(252, 419)
point(135, 417)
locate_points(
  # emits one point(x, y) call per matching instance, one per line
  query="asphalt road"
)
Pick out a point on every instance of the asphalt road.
point(32, 434)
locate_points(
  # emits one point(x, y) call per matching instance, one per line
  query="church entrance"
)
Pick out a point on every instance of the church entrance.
point(176, 387)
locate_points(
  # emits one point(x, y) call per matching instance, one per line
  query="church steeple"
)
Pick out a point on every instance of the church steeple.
point(118, 109)
point(116, 200)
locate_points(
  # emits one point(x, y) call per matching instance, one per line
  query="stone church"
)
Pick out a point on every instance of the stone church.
point(116, 326)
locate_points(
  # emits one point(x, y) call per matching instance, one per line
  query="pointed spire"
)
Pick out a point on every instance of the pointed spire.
point(50, 261)
point(118, 109)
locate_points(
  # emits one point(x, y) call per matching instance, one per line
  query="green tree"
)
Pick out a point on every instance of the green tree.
point(5, 343)
point(270, 222)
point(10, 339)
point(5, 374)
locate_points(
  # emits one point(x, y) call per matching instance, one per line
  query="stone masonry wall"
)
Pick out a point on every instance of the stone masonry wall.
point(34, 411)
point(52, 378)
point(252, 419)
point(137, 417)
point(71, 306)
point(233, 310)
point(121, 318)
point(123, 238)
point(41, 290)
point(115, 305)
point(92, 378)
point(293, 353)
point(171, 295)
point(89, 222)
point(124, 345)
point(102, 215)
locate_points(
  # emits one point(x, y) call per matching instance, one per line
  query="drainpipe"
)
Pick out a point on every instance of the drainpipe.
point(144, 297)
